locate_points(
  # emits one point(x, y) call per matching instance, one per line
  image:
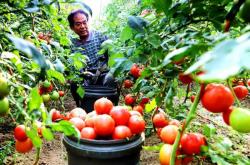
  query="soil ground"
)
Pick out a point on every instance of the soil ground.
point(54, 153)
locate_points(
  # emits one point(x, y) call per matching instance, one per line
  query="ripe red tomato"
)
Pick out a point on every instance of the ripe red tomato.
point(135, 113)
point(121, 132)
point(240, 91)
point(65, 116)
point(169, 133)
point(191, 143)
point(129, 99)
point(135, 70)
point(104, 125)
point(158, 131)
point(55, 115)
point(226, 115)
point(136, 124)
point(77, 122)
point(138, 108)
point(185, 79)
point(120, 115)
point(24, 147)
point(19, 133)
point(165, 154)
point(159, 120)
point(103, 106)
point(192, 98)
point(144, 100)
point(239, 120)
point(78, 112)
point(174, 122)
point(128, 84)
point(89, 121)
point(217, 98)
point(248, 82)
point(88, 133)
point(61, 93)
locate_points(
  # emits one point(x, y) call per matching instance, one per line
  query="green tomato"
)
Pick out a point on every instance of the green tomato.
point(46, 84)
point(46, 98)
point(245, 10)
point(55, 95)
point(239, 120)
point(4, 89)
point(4, 106)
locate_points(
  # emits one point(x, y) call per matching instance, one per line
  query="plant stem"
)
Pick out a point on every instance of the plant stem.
point(37, 156)
point(232, 90)
point(187, 91)
point(190, 117)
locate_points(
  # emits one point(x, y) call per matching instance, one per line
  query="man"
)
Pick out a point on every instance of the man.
point(89, 43)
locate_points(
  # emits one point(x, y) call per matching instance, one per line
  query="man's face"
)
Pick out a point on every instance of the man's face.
point(80, 25)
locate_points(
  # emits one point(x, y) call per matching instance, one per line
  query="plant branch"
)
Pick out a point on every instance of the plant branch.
point(187, 91)
point(37, 156)
point(232, 90)
point(190, 117)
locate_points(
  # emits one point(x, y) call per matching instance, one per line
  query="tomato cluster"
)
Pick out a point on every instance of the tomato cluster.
point(23, 144)
point(106, 121)
point(4, 91)
point(47, 93)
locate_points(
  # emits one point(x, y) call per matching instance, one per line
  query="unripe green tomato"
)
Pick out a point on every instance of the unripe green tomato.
point(244, 12)
point(4, 89)
point(46, 98)
point(4, 106)
point(46, 84)
point(239, 120)
point(55, 95)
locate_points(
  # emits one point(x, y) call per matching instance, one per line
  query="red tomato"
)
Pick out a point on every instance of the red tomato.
point(88, 133)
point(23, 147)
point(78, 112)
point(192, 98)
point(217, 98)
point(89, 121)
point(165, 154)
point(191, 143)
point(103, 106)
point(120, 115)
point(55, 115)
point(240, 91)
point(136, 124)
point(226, 115)
point(128, 84)
point(169, 133)
point(187, 160)
point(144, 100)
point(138, 108)
point(158, 131)
point(129, 99)
point(104, 125)
point(61, 93)
point(248, 82)
point(159, 120)
point(185, 79)
point(66, 116)
point(77, 122)
point(19, 133)
point(135, 113)
point(135, 70)
point(121, 132)
point(174, 122)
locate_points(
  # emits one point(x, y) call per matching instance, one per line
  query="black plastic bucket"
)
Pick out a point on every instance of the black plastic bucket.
point(92, 93)
point(103, 152)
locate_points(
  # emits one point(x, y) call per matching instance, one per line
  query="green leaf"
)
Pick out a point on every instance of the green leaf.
point(114, 57)
point(137, 23)
point(29, 49)
point(80, 90)
point(55, 74)
point(209, 130)
point(47, 134)
point(35, 100)
point(226, 59)
point(154, 40)
point(150, 106)
point(33, 135)
point(163, 5)
point(126, 34)
point(66, 127)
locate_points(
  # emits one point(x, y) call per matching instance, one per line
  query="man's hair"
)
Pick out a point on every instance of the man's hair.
point(72, 15)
